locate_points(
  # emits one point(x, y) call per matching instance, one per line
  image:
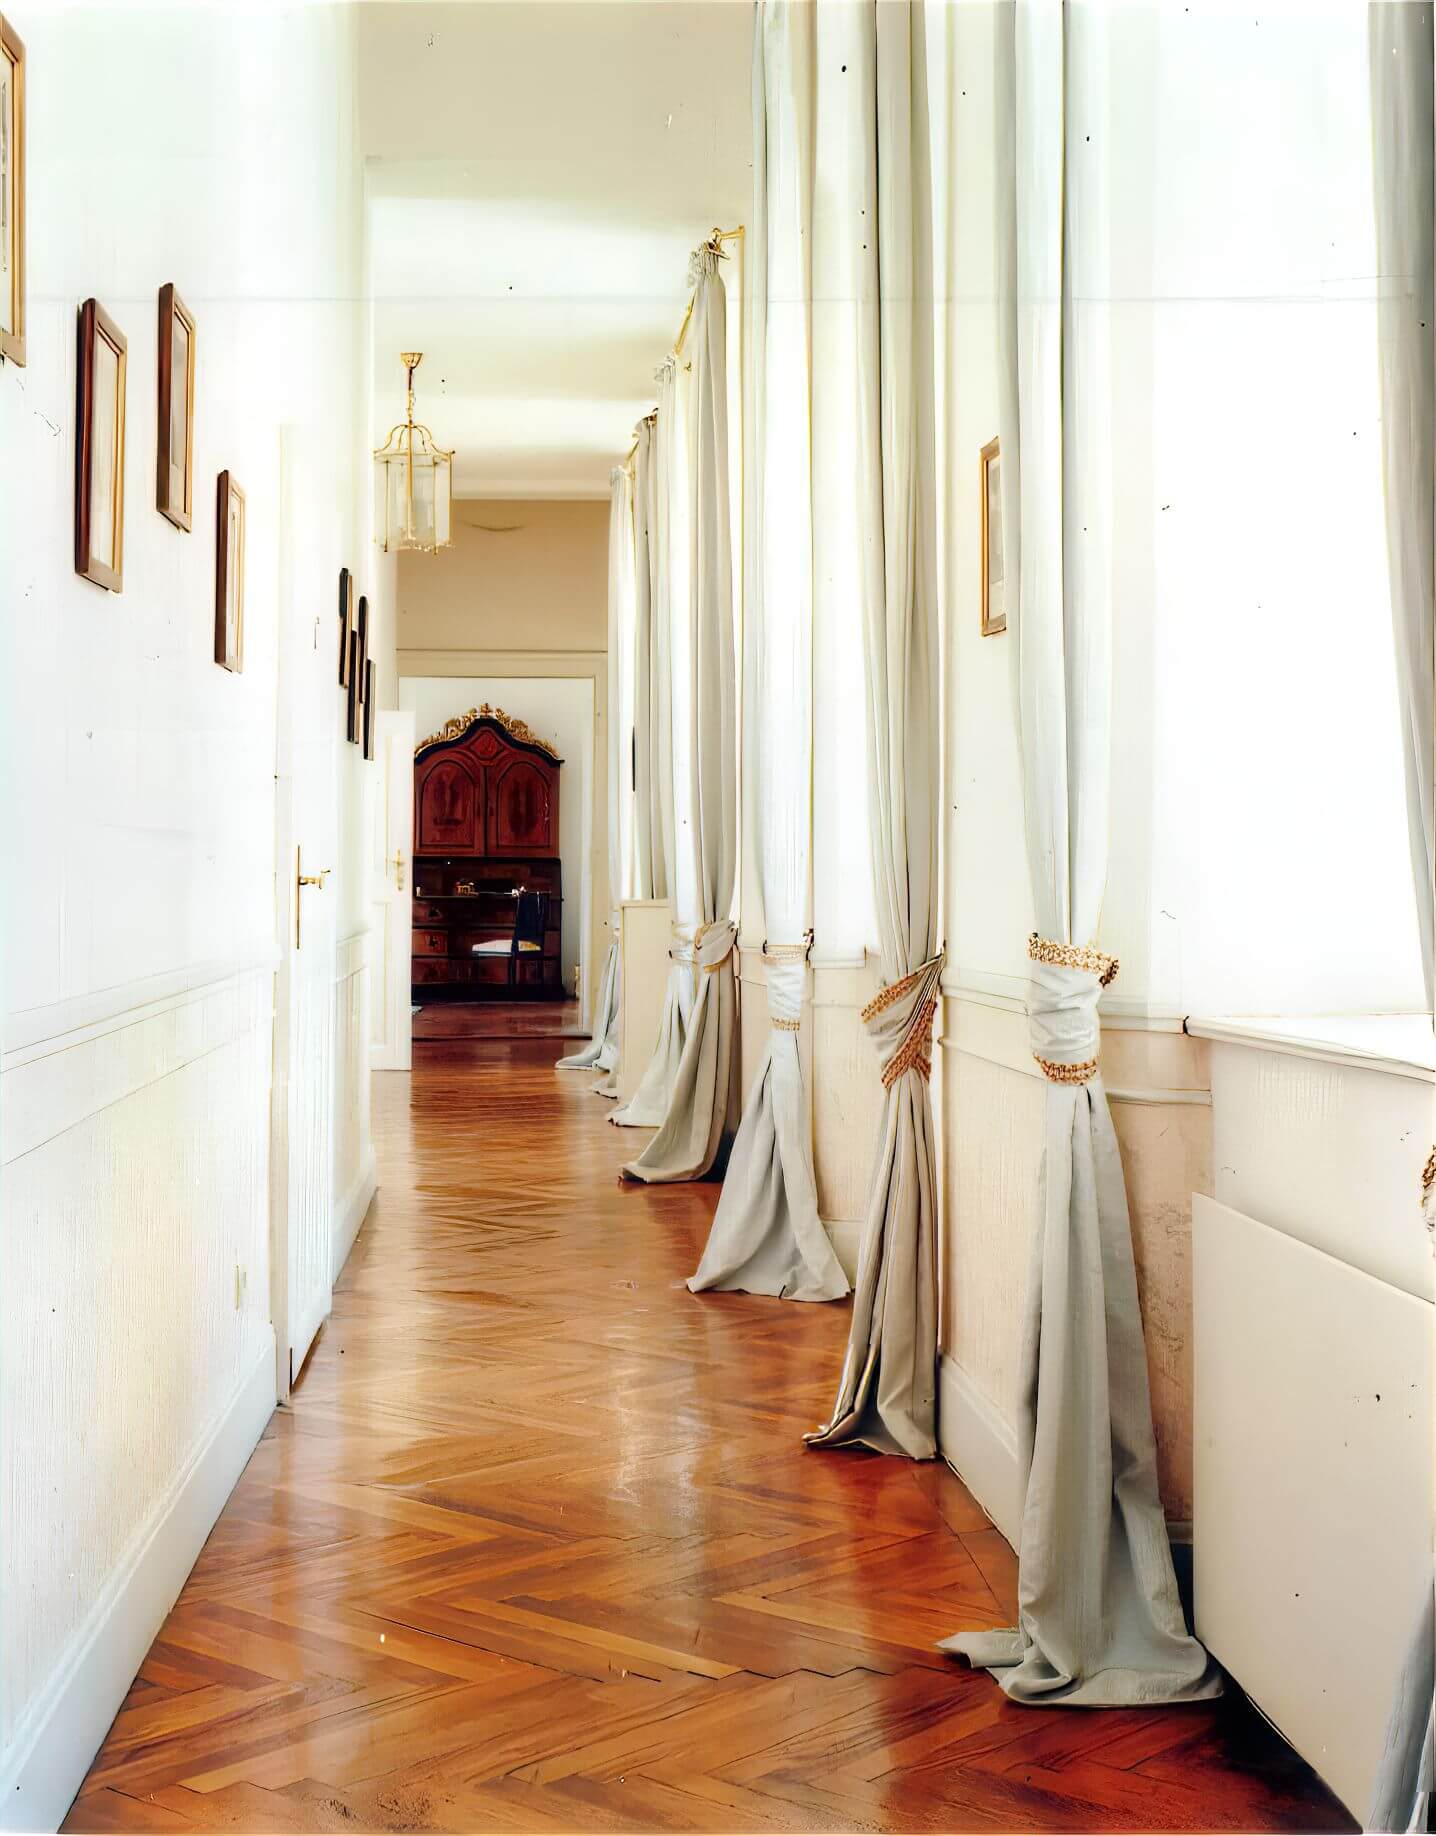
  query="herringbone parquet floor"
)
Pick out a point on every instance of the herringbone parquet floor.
point(538, 1547)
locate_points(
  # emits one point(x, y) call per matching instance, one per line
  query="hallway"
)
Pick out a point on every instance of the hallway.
point(538, 1546)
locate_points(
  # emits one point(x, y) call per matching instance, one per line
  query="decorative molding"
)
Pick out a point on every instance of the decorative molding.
point(60, 1024)
point(980, 1446)
point(47, 1761)
point(350, 1214)
point(460, 724)
point(1401, 1045)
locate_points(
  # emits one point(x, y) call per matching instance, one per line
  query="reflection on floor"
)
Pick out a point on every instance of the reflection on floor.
point(539, 1547)
point(498, 1020)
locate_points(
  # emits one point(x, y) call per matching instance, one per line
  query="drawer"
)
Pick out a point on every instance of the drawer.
point(430, 943)
point(434, 969)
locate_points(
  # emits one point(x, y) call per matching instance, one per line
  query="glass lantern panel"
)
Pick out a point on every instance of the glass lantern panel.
point(443, 492)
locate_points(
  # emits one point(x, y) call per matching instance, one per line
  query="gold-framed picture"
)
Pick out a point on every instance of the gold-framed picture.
point(101, 358)
point(994, 585)
point(12, 194)
point(174, 447)
point(229, 575)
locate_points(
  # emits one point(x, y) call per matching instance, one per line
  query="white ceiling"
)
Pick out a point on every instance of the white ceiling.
point(538, 172)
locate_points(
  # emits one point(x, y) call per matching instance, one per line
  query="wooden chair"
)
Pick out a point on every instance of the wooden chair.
point(530, 924)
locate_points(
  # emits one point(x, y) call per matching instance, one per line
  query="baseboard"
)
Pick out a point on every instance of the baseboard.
point(350, 1214)
point(846, 1237)
point(59, 1737)
point(980, 1447)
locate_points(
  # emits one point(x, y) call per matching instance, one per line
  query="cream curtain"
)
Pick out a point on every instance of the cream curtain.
point(703, 1100)
point(766, 1236)
point(669, 755)
point(601, 1052)
point(870, 68)
point(1100, 1621)
point(1401, 41)
point(1403, 73)
point(644, 686)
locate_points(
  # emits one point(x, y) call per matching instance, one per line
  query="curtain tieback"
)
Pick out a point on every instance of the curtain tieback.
point(713, 944)
point(900, 1017)
point(1063, 1008)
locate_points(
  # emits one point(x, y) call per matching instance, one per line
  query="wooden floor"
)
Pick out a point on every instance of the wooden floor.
point(499, 1020)
point(538, 1546)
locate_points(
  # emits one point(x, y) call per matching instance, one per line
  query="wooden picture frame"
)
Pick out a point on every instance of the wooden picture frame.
point(361, 631)
point(368, 707)
point(100, 365)
point(994, 584)
point(351, 725)
point(229, 575)
point(174, 446)
point(12, 194)
point(346, 622)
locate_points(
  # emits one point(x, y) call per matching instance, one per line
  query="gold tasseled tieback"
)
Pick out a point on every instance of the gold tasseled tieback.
point(1090, 962)
point(914, 1049)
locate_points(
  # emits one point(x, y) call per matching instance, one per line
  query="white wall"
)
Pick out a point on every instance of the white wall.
point(214, 148)
point(559, 709)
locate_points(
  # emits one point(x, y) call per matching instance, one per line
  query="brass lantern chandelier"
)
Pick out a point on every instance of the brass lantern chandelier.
point(413, 482)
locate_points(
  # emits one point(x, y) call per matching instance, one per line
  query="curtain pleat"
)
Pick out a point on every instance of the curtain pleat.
point(1100, 1622)
point(766, 1236)
point(644, 687)
point(703, 1101)
point(870, 63)
point(1403, 120)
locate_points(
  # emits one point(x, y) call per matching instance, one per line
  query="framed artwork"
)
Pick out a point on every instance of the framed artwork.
point(368, 708)
point(100, 448)
point(12, 194)
point(229, 575)
point(174, 467)
point(361, 628)
point(351, 729)
point(346, 622)
point(994, 603)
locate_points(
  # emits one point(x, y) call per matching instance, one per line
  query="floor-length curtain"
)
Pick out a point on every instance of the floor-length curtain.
point(1403, 119)
point(671, 818)
point(703, 1101)
point(1401, 40)
point(644, 687)
point(870, 61)
point(601, 1052)
point(766, 1236)
point(1100, 1619)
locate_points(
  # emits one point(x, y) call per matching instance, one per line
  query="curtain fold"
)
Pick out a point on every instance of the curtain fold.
point(870, 61)
point(1100, 1622)
point(1403, 119)
point(644, 686)
point(703, 1099)
point(766, 1236)
point(1402, 57)
point(601, 1052)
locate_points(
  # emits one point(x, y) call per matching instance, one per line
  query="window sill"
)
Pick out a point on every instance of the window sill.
point(1403, 1045)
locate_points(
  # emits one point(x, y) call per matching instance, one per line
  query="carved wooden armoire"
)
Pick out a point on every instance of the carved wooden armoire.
point(485, 833)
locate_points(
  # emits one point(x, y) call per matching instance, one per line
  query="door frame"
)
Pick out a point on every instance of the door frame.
point(540, 665)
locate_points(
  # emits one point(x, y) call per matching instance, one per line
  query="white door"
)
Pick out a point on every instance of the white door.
point(308, 733)
point(391, 876)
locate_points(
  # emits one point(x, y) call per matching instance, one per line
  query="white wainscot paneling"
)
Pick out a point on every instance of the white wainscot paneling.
point(1313, 1484)
point(355, 1175)
point(136, 1355)
point(646, 935)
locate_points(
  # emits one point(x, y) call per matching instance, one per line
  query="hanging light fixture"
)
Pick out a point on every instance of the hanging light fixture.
point(413, 481)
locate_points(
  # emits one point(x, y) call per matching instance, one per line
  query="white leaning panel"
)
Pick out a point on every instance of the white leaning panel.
point(1313, 1482)
point(646, 934)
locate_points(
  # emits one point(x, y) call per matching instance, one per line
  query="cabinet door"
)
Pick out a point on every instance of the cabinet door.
point(521, 809)
point(449, 809)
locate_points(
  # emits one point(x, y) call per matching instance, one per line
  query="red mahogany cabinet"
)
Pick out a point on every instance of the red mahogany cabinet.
point(485, 829)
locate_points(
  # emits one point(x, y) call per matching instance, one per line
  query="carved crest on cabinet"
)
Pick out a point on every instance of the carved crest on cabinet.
point(456, 728)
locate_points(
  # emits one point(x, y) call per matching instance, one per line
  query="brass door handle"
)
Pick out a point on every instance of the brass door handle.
point(301, 880)
point(398, 866)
